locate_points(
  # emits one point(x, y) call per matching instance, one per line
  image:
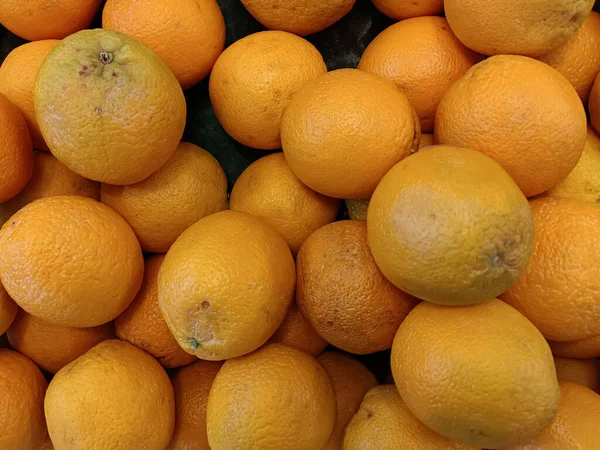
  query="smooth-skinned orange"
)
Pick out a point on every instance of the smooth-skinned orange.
point(297, 332)
point(8, 310)
point(594, 104)
point(405, 9)
point(581, 371)
point(585, 348)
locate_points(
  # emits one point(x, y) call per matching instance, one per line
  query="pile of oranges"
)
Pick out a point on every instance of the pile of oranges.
point(436, 207)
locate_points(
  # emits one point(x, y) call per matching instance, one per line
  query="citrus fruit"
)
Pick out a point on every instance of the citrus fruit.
point(351, 381)
point(581, 371)
point(22, 389)
point(188, 35)
point(594, 104)
point(344, 130)
point(189, 186)
point(268, 189)
point(383, 422)
point(52, 347)
point(253, 81)
point(423, 58)
point(520, 27)
point(403, 9)
point(503, 391)
point(17, 78)
point(108, 107)
point(426, 140)
point(297, 332)
point(142, 324)
point(342, 293)
point(301, 17)
point(70, 261)
point(138, 413)
point(40, 19)
point(276, 397)
point(558, 291)
point(357, 208)
point(520, 112)
point(192, 385)
point(436, 237)
point(8, 310)
point(225, 285)
point(585, 348)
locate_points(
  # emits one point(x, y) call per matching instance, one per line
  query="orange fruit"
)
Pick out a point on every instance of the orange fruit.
point(383, 422)
point(558, 291)
point(139, 412)
point(344, 130)
point(585, 348)
point(403, 9)
point(523, 27)
point(520, 112)
point(581, 371)
point(17, 79)
point(268, 189)
point(276, 397)
point(8, 310)
point(503, 391)
point(342, 293)
point(451, 244)
point(300, 17)
point(108, 107)
point(423, 58)
point(594, 104)
point(192, 385)
point(253, 81)
point(426, 140)
point(189, 186)
point(351, 381)
point(576, 59)
point(189, 35)
point(70, 261)
point(225, 285)
point(575, 426)
point(49, 178)
point(22, 389)
point(39, 19)
point(357, 208)
point(142, 324)
point(297, 332)
point(52, 347)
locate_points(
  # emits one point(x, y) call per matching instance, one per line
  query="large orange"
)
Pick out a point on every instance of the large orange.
point(8, 310)
point(188, 35)
point(403, 9)
point(423, 58)
point(521, 27)
point(268, 189)
point(585, 348)
point(581, 371)
point(17, 79)
point(344, 130)
point(558, 291)
point(253, 81)
point(70, 261)
point(520, 112)
point(594, 104)
point(296, 331)
point(40, 19)
point(108, 107)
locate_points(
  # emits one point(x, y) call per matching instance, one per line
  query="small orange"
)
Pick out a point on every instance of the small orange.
point(344, 130)
point(426, 140)
point(297, 332)
point(189, 35)
point(52, 347)
point(17, 79)
point(594, 105)
point(142, 324)
point(357, 208)
point(586, 348)
point(405, 9)
point(423, 58)
point(581, 371)
point(268, 189)
point(8, 310)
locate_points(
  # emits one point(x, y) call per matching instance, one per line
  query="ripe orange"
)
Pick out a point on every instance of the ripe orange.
point(581, 371)
point(189, 186)
point(520, 27)
point(268, 189)
point(275, 398)
point(503, 391)
point(40, 19)
point(108, 107)
point(594, 104)
point(301, 17)
point(586, 348)
point(192, 385)
point(8, 310)
point(17, 78)
point(357, 208)
point(115, 396)
point(452, 244)
point(344, 130)
point(558, 291)
point(142, 324)
point(22, 389)
point(70, 261)
point(342, 293)
point(520, 112)
point(189, 35)
point(426, 140)
point(297, 332)
point(52, 347)
point(403, 9)
point(225, 285)
point(423, 58)
point(253, 81)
